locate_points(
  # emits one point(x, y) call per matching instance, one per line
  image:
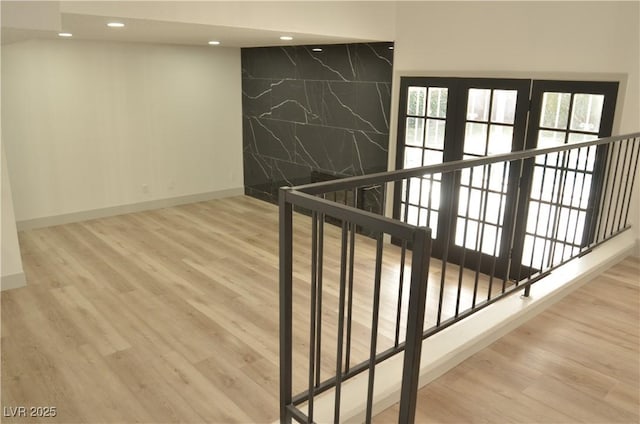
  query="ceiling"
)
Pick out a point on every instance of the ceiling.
point(90, 27)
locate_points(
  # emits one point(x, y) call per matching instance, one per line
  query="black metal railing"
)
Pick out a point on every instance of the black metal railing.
point(358, 290)
point(350, 219)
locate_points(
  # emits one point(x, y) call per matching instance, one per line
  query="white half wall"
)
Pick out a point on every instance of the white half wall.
point(591, 40)
point(11, 271)
point(92, 125)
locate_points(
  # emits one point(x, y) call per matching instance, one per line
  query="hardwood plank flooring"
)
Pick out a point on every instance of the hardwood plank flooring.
point(171, 315)
point(577, 362)
point(151, 317)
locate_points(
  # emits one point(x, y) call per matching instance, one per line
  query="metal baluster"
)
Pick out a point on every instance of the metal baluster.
point(352, 242)
point(535, 231)
point(599, 212)
point(556, 224)
point(464, 242)
point(340, 341)
point(613, 184)
point(374, 327)
point(484, 200)
point(431, 182)
point(524, 164)
point(407, 199)
point(615, 210)
point(320, 266)
point(403, 254)
point(633, 179)
point(591, 210)
point(312, 316)
point(505, 166)
point(445, 254)
point(571, 207)
point(552, 203)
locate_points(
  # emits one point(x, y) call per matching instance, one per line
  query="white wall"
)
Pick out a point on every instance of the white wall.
point(11, 272)
point(87, 124)
point(563, 40)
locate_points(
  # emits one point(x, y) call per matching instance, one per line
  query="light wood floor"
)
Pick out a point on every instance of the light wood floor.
point(139, 318)
point(577, 362)
point(172, 315)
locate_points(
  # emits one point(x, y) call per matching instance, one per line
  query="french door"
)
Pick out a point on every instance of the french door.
point(561, 191)
point(446, 119)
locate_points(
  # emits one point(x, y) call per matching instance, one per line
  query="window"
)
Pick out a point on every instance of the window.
point(445, 119)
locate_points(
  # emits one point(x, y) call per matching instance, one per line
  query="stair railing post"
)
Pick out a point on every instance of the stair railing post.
point(415, 322)
point(286, 303)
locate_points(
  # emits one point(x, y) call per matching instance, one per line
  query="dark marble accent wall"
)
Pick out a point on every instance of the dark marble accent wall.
point(304, 110)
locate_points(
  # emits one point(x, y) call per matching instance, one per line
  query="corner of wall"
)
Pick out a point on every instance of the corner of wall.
point(11, 262)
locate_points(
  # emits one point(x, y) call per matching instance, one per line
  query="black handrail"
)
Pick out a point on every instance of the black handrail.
point(401, 174)
point(604, 214)
point(351, 218)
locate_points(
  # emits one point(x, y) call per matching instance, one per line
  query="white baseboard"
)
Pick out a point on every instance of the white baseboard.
point(12, 281)
point(49, 221)
point(451, 346)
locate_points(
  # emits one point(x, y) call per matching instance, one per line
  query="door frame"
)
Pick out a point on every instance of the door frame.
point(609, 89)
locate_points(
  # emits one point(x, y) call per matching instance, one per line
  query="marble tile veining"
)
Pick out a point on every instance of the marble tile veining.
point(307, 111)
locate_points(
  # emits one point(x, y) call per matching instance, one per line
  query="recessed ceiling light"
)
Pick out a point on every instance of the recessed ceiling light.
point(65, 34)
point(115, 24)
point(316, 49)
point(214, 43)
point(286, 38)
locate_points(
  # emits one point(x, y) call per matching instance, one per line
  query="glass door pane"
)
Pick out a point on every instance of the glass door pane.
point(562, 185)
point(482, 197)
point(424, 135)
point(446, 119)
